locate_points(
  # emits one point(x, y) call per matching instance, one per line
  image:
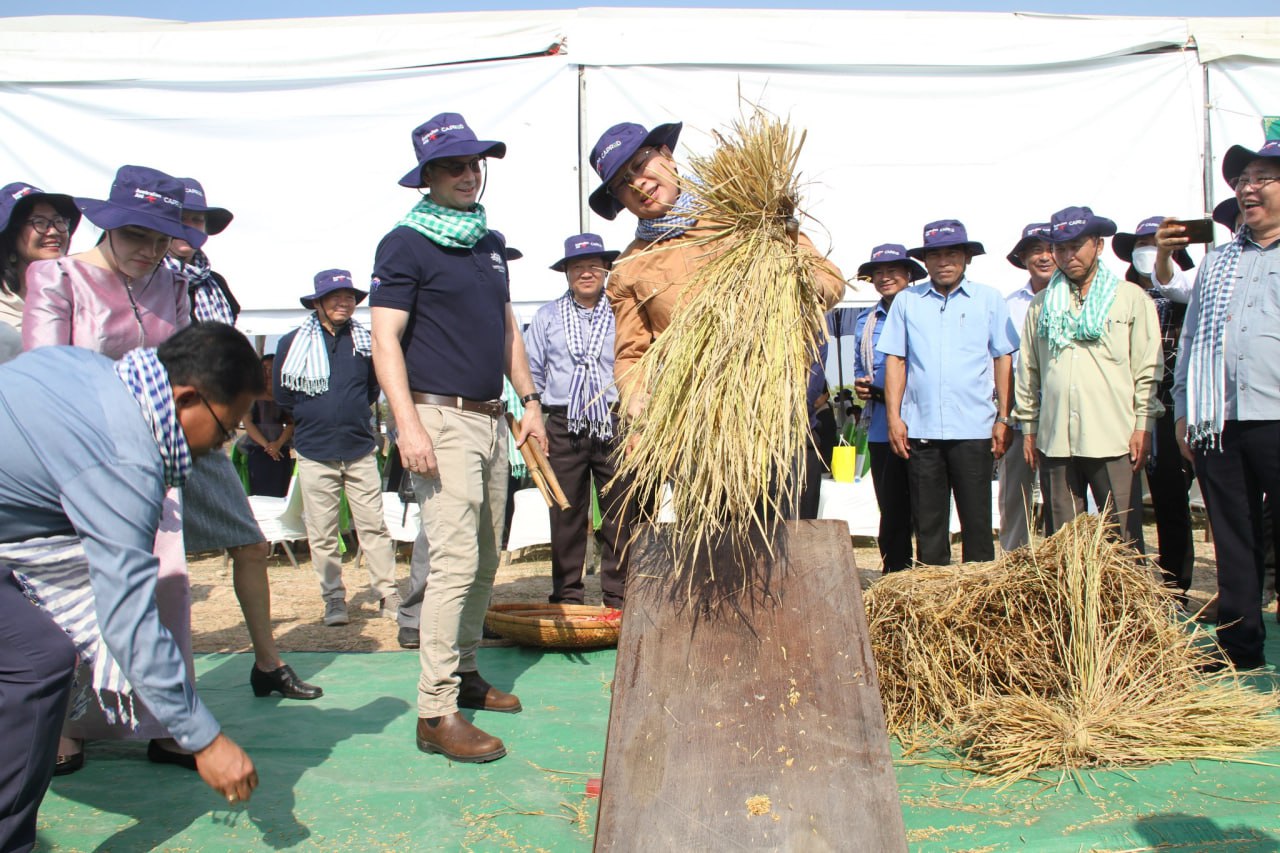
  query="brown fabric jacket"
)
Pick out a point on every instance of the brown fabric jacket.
point(645, 292)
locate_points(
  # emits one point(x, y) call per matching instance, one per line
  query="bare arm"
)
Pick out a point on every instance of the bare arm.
point(522, 381)
point(416, 450)
point(895, 384)
point(1004, 386)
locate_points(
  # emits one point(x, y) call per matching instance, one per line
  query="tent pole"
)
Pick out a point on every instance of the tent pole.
point(584, 154)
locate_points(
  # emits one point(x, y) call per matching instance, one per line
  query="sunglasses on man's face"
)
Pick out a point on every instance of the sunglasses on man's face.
point(454, 169)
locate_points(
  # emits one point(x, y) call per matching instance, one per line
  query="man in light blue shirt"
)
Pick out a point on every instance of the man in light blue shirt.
point(91, 446)
point(570, 345)
point(1226, 395)
point(947, 343)
point(890, 271)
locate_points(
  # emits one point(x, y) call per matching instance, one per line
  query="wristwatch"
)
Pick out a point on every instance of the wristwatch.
point(530, 398)
point(1005, 420)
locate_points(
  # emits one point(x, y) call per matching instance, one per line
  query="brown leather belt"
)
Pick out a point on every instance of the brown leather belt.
point(493, 408)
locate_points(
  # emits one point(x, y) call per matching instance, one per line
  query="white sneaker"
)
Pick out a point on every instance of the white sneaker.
point(335, 612)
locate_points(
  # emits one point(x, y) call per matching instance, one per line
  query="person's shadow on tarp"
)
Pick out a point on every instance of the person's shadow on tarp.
point(285, 739)
point(1185, 831)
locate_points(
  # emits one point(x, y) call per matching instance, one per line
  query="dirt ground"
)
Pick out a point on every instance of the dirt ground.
point(218, 626)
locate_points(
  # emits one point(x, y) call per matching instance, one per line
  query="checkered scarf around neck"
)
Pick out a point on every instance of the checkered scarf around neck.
point(53, 573)
point(867, 349)
point(145, 377)
point(208, 302)
point(1206, 365)
point(681, 217)
point(1060, 325)
point(444, 226)
point(306, 367)
point(588, 412)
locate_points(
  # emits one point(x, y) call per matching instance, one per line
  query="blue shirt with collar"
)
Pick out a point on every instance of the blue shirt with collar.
point(81, 460)
point(949, 343)
point(874, 409)
point(550, 362)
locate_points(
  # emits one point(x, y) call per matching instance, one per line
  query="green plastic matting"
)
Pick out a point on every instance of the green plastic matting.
point(343, 773)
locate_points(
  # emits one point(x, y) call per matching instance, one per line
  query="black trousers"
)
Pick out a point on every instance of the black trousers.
point(1233, 481)
point(1169, 479)
point(37, 661)
point(938, 469)
point(893, 496)
point(576, 460)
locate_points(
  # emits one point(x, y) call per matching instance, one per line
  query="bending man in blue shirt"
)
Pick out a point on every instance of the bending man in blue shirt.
point(92, 445)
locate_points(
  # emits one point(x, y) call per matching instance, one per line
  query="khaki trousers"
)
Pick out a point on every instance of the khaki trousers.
point(322, 484)
point(462, 513)
point(1065, 480)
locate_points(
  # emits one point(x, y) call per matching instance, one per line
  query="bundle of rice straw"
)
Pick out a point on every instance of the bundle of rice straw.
point(1065, 654)
point(726, 422)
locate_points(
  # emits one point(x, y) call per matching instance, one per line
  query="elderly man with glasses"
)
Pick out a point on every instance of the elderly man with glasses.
point(1226, 394)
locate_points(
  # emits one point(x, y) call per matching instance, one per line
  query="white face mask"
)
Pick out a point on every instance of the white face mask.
point(1144, 260)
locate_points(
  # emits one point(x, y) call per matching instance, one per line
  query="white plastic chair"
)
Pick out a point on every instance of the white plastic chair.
point(281, 518)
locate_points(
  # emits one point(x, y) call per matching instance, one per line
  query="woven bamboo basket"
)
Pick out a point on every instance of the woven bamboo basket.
point(556, 626)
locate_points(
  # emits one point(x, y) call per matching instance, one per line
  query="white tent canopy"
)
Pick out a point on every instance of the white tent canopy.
point(301, 127)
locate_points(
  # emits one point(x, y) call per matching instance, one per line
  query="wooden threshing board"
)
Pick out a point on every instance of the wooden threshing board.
point(748, 717)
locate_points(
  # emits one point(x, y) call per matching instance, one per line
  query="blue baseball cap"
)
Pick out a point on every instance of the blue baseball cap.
point(1034, 232)
point(943, 233)
point(447, 135)
point(327, 281)
point(891, 253)
point(216, 219)
point(1072, 222)
point(615, 148)
point(23, 195)
point(581, 246)
point(146, 198)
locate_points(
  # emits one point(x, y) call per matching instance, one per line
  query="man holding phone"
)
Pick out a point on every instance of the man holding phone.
point(1086, 388)
point(890, 271)
point(1227, 395)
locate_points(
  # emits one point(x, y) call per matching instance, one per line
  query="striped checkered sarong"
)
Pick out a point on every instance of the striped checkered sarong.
point(54, 574)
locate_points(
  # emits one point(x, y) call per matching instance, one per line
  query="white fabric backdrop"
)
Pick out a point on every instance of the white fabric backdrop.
point(1240, 94)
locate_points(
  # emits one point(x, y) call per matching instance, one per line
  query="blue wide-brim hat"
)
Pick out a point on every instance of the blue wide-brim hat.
point(1031, 233)
point(21, 195)
point(1227, 212)
point(327, 281)
point(216, 219)
point(582, 246)
point(447, 135)
point(892, 253)
point(1238, 157)
point(615, 148)
point(1072, 222)
point(1123, 242)
point(146, 198)
point(943, 233)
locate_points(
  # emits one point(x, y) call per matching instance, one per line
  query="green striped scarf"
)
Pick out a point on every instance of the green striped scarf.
point(1060, 325)
point(444, 226)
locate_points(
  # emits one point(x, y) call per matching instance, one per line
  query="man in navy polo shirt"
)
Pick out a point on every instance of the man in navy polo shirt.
point(324, 373)
point(444, 335)
point(948, 342)
point(571, 357)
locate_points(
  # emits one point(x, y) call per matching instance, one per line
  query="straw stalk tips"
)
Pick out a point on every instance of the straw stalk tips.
point(726, 421)
point(1065, 654)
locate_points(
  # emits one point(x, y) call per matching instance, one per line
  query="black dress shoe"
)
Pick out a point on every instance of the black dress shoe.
point(157, 754)
point(283, 681)
point(408, 638)
point(68, 764)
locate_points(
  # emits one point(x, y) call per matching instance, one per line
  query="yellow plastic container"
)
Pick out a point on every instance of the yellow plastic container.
point(844, 463)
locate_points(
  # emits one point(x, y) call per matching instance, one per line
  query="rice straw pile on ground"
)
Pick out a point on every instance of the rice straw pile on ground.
point(1066, 654)
point(727, 378)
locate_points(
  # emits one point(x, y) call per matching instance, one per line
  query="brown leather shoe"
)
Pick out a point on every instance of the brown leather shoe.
point(479, 695)
point(455, 738)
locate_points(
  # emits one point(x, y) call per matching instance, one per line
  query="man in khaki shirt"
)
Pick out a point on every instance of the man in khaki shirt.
point(1087, 379)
